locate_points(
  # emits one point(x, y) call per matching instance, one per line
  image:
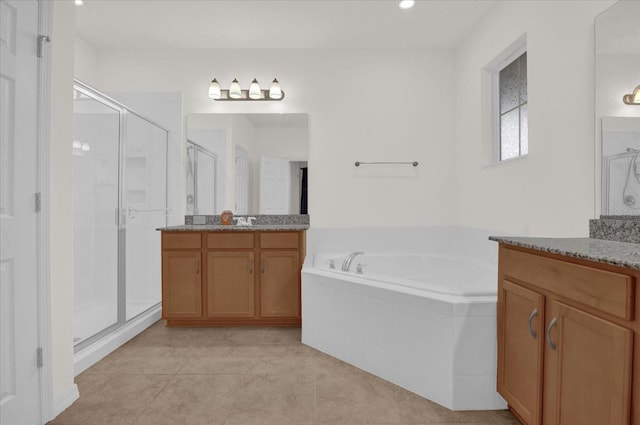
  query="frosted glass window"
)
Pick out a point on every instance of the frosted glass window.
point(510, 135)
point(512, 90)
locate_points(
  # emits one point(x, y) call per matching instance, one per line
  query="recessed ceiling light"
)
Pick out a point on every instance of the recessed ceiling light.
point(407, 4)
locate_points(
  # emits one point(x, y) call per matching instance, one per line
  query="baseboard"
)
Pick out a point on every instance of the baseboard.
point(65, 401)
point(92, 354)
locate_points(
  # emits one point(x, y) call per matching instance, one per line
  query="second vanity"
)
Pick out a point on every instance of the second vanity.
point(568, 328)
point(216, 275)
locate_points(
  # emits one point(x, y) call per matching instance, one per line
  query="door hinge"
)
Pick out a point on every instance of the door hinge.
point(41, 40)
point(38, 202)
point(39, 360)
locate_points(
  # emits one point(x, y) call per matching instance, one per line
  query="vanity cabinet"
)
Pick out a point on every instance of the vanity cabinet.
point(247, 278)
point(279, 275)
point(566, 331)
point(181, 276)
point(230, 276)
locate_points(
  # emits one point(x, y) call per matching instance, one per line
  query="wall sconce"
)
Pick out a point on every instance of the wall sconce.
point(253, 93)
point(633, 98)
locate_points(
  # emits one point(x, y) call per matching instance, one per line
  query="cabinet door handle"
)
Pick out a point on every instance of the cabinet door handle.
point(549, 340)
point(197, 266)
point(250, 266)
point(262, 266)
point(533, 314)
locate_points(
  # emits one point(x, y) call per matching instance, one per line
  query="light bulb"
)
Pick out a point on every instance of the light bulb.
point(235, 92)
point(274, 91)
point(214, 89)
point(407, 4)
point(79, 2)
point(77, 144)
point(254, 90)
point(86, 147)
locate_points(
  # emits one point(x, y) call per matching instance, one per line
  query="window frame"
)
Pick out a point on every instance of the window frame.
point(500, 63)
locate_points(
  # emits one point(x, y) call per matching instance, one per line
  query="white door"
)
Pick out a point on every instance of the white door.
point(241, 181)
point(206, 183)
point(275, 185)
point(19, 375)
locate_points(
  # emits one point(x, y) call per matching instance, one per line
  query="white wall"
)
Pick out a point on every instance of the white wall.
point(86, 61)
point(61, 219)
point(363, 105)
point(290, 143)
point(550, 192)
point(243, 135)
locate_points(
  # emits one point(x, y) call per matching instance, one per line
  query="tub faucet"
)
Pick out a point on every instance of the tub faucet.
point(347, 261)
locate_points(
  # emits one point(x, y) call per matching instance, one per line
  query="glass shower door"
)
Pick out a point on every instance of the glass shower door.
point(95, 189)
point(145, 207)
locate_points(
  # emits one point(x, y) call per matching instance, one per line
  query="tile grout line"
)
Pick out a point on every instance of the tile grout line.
point(143, 410)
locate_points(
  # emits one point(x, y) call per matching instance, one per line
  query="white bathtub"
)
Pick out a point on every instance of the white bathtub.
point(424, 320)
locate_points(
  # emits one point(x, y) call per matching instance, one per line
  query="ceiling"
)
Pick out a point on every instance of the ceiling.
point(238, 24)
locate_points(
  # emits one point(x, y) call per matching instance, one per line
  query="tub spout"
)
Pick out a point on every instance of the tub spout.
point(347, 261)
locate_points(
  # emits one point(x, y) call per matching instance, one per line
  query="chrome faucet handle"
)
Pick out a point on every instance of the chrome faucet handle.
point(240, 221)
point(360, 268)
point(332, 264)
point(250, 221)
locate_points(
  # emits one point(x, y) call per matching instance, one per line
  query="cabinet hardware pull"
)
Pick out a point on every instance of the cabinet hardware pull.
point(197, 266)
point(250, 266)
point(534, 313)
point(551, 343)
point(262, 266)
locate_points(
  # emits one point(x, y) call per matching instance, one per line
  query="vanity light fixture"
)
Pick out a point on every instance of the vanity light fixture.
point(214, 89)
point(632, 98)
point(235, 92)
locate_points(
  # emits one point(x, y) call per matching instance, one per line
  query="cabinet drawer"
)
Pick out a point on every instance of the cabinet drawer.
point(182, 240)
point(279, 240)
point(606, 291)
point(224, 240)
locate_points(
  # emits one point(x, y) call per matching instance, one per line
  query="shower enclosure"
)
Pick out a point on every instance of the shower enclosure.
point(620, 166)
point(119, 199)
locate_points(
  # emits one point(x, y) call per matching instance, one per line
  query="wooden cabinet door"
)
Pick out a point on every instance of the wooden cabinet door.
point(520, 349)
point(587, 369)
point(230, 284)
point(181, 285)
point(279, 284)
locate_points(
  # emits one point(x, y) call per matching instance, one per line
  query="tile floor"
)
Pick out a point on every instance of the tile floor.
point(244, 376)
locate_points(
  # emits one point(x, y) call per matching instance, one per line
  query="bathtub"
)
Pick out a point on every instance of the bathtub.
point(423, 319)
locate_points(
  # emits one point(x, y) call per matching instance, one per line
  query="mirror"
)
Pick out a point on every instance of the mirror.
point(256, 163)
point(618, 124)
point(621, 165)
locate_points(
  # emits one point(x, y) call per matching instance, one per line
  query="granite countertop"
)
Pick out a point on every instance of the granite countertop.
point(622, 254)
point(221, 228)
